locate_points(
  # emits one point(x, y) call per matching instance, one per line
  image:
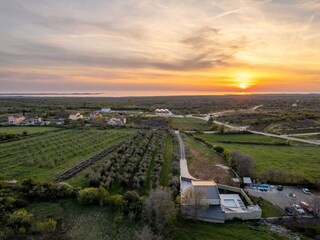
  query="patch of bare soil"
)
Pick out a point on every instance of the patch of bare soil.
point(214, 170)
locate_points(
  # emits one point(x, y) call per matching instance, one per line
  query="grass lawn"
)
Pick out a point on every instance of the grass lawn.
point(42, 157)
point(202, 162)
point(303, 159)
point(268, 209)
point(191, 230)
point(168, 156)
point(189, 124)
point(30, 130)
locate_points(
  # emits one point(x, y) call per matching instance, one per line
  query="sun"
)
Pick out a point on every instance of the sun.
point(243, 86)
point(243, 80)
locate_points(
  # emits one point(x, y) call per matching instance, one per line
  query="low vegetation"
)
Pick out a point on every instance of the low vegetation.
point(192, 230)
point(44, 156)
point(297, 163)
point(189, 124)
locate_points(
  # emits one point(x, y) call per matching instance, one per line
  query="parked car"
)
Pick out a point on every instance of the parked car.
point(306, 191)
point(297, 209)
point(288, 210)
point(306, 207)
point(280, 188)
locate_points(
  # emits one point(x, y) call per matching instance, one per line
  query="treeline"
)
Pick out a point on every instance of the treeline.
point(154, 214)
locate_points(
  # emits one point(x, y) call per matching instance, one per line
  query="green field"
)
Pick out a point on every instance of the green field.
point(299, 159)
point(30, 130)
point(190, 230)
point(42, 157)
point(189, 124)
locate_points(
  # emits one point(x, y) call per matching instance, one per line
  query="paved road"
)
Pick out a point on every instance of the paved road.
point(183, 161)
point(269, 134)
point(286, 137)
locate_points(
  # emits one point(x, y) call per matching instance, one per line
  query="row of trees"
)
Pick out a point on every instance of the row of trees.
point(133, 162)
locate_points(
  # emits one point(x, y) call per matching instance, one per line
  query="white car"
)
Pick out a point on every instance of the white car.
point(306, 191)
point(298, 209)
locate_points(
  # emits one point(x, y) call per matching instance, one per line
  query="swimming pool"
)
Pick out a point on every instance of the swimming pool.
point(260, 186)
point(230, 203)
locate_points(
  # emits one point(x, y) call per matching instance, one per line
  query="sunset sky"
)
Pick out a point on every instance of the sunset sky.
point(160, 47)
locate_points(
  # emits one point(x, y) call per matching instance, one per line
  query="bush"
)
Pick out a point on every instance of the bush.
point(89, 196)
point(48, 225)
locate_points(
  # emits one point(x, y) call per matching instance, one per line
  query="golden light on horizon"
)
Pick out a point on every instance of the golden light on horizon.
point(243, 80)
point(243, 85)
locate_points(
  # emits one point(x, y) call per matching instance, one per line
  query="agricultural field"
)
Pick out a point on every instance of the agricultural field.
point(308, 136)
point(204, 163)
point(140, 163)
point(302, 160)
point(189, 124)
point(44, 156)
point(29, 130)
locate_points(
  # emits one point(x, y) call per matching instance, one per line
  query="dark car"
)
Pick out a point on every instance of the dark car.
point(280, 188)
point(288, 210)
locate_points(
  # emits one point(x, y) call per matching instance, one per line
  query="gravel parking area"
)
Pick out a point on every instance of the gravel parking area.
point(281, 198)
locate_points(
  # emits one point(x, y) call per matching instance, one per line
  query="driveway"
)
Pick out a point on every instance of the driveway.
point(183, 161)
point(281, 198)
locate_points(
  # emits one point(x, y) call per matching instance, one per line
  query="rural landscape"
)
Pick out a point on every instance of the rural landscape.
point(160, 120)
point(62, 177)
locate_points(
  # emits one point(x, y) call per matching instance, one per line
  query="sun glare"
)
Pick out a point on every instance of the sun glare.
point(243, 80)
point(243, 85)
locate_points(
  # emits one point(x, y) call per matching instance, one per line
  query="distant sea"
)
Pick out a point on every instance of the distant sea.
point(145, 94)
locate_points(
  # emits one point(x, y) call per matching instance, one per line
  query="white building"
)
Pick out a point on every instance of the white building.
point(117, 121)
point(16, 119)
point(163, 112)
point(105, 110)
point(219, 207)
point(75, 116)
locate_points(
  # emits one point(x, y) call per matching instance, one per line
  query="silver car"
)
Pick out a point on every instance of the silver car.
point(297, 209)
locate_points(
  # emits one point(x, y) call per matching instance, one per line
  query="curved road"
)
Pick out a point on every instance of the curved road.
point(183, 161)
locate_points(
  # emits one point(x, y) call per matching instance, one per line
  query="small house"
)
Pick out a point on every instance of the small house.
point(31, 120)
point(163, 112)
point(94, 115)
point(75, 116)
point(16, 119)
point(118, 120)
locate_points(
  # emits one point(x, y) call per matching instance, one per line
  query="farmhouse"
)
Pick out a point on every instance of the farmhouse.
point(32, 120)
point(94, 115)
point(118, 120)
point(16, 119)
point(75, 116)
point(163, 112)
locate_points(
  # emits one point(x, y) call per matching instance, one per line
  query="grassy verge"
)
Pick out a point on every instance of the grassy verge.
point(268, 209)
point(204, 163)
point(166, 168)
point(191, 230)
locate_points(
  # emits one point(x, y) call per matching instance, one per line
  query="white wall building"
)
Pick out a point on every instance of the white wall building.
point(16, 119)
